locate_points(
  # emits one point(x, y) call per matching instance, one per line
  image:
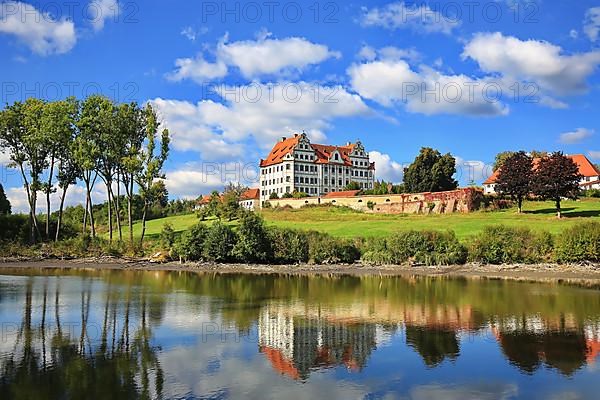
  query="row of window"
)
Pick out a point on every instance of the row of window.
point(312, 190)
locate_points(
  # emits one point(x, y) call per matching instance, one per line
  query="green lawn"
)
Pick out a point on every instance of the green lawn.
point(344, 222)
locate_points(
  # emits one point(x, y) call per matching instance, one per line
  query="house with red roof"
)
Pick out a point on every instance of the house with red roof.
point(297, 165)
point(589, 172)
point(250, 199)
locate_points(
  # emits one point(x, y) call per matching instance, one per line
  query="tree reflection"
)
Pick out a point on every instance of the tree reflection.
point(120, 363)
point(434, 345)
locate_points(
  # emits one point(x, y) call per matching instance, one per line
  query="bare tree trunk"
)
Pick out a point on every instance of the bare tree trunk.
point(110, 221)
point(31, 201)
point(558, 210)
point(85, 213)
point(48, 191)
point(60, 212)
point(88, 186)
point(144, 223)
point(118, 208)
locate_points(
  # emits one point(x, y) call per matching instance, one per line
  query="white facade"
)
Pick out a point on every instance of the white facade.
point(315, 169)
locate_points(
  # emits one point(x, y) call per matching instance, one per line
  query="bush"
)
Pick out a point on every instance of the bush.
point(289, 246)
point(14, 228)
point(423, 247)
point(579, 243)
point(503, 245)
point(219, 242)
point(167, 236)
point(324, 249)
point(253, 242)
point(191, 243)
point(592, 193)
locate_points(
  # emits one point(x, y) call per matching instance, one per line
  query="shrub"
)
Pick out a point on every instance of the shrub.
point(219, 242)
point(502, 245)
point(579, 243)
point(592, 193)
point(289, 246)
point(423, 247)
point(253, 242)
point(324, 249)
point(167, 236)
point(191, 243)
point(14, 228)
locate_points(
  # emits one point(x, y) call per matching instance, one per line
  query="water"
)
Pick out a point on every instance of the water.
point(124, 334)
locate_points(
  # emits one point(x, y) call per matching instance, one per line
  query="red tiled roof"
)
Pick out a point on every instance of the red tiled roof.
point(586, 168)
point(279, 362)
point(322, 151)
point(280, 149)
point(344, 193)
point(250, 194)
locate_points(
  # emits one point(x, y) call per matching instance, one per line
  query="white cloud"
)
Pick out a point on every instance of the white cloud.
point(576, 136)
point(43, 34)
point(386, 168)
point(399, 15)
point(573, 34)
point(102, 10)
point(592, 23)
point(533, 60)
point(202, 178)
point(255, 58)
point(594, 154)
point(189, 33)
point(425, 91)
point(273, 56)
point(197, 69)
point(4, 158)
point(263, 112)
point(75, 195)
point(472, 171)
point(551, 102)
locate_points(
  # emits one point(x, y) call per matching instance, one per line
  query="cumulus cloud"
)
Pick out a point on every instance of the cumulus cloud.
point(197, 69)
point(262, 112)
point(538, 61)
point(4, 158)
point(472, 171)
point(43, 34)
point(591, 25)
point(399, 15)
point(576, 136)
point(75, 195)
point(386, 168)
point(102, 10)
point(425, 90)
point(254, 58)
point(202, 178)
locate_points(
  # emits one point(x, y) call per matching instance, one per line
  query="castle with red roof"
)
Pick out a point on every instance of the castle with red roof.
point(297, 165)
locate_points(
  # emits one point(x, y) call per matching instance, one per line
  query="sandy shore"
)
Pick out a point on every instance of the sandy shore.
point(583, 274)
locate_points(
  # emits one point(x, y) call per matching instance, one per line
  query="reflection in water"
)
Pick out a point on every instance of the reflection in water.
point(108, 334)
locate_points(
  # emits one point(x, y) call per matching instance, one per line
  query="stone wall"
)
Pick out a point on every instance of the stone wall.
point(460, 200)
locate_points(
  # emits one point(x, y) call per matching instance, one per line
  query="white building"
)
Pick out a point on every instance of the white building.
point(250, 199)
point(590, 174)
point(296, 165)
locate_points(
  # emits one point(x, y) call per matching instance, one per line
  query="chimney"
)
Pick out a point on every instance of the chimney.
point(348, 143)
point(283, 138)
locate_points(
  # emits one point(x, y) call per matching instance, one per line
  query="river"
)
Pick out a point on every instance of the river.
point(132, 334)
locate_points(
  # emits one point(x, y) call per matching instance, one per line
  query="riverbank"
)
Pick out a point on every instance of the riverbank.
point(580, 274)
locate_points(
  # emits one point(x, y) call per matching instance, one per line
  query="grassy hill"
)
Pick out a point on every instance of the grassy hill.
point(344, 222)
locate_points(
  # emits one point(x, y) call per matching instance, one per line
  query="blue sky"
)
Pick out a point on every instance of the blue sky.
point(340, 71)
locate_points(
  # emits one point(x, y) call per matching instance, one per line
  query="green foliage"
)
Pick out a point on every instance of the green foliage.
point(289, 246)
point(253, 244)
point(501, 158)
point(423, 247)
point(167, 236)
point(190, 246)
point(299, 195)
point(14, 228)
point(218, 245)
point(324, 249)
point(579, 243)
point(287, 196)
point(595, 193)
point(505, 245)
point(352, 185)
point(273, 196)
point(5, 208)
point(430, 172)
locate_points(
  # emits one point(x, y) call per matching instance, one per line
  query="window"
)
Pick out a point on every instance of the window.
point(287, 166)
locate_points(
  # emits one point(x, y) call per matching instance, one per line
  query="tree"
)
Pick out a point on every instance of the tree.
point(151, 161)
point(229, 206)
point(430, 172)
point(5, 208)
point(22, 135)
point(273, 196)
point(353, 185)
point(555, 178)
point(515, 177)
point(500, 158)
point(253, 243)
point(130, 128)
